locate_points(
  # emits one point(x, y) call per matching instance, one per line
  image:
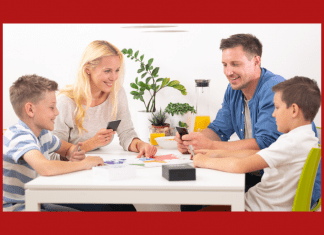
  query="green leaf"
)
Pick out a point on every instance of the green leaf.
point(150, 68)
point(133, 85)
point(150, 62)
point(142, 84)
point(153, 86)
point(173, 83)
point(155, 71)
point(179, 87)
point(183, 92)
point(142, 57)
point(140, 70)
point(159, 80)
point(134, 93)
point(141, 93)
point(124, 51)
point(142, 66)
point(144, 74)
point(136, 80)
point(148, 79)
point(164, 82)
point(130, 52)
point(136, 54)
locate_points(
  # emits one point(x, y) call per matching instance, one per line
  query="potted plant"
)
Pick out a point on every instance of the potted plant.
point(151, 85)
point(159, 127)
point(180, 113)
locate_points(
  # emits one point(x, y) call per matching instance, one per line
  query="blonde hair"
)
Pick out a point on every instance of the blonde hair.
point(80, 90)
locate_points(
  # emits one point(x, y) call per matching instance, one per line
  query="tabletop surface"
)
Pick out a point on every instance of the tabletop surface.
point(147, 178)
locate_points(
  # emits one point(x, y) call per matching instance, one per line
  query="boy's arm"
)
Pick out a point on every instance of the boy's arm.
point(46, 167)
point(227, 153)
point(68, 150)
point(231, 164)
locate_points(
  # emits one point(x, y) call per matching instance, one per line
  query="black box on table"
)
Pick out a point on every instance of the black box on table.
point(178, 172)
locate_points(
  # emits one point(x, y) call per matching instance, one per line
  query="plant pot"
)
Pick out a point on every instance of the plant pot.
point(159, 131)
point(143, 125)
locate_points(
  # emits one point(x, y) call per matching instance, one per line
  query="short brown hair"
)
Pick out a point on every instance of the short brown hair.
point(302, 91)
point(29, 88)
point(251, 45)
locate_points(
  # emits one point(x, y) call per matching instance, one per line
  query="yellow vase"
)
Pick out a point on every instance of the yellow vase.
point(155, 135)
point(201, 122)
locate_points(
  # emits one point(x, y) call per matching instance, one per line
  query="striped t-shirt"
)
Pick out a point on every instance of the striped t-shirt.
point(18, 140)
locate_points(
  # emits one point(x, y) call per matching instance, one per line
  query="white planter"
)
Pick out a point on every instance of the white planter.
point(143, 124)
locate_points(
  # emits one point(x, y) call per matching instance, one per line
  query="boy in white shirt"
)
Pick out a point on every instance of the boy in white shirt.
point(296, 102)
point(26, 145)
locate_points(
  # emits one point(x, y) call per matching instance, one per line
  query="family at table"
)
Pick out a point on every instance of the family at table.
point(254, 107)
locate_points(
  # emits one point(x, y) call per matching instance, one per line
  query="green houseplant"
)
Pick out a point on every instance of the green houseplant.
point(159, 126)
point(153, 84)
point(179, 113)
point(178, 108)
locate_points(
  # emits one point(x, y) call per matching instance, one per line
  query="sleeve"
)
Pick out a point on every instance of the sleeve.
point(265, 127)
point(125, 131)
point(64, 121)
point(223, 125)
point(19, 145)
point(55, 144)
point(277, 154)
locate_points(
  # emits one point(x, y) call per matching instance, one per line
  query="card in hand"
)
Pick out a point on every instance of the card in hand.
point(113, 125)
point(182, 131)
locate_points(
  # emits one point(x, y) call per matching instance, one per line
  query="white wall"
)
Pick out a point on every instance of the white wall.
point(54, 51)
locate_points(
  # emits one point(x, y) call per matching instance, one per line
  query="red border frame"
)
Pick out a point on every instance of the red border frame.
point(278, 11)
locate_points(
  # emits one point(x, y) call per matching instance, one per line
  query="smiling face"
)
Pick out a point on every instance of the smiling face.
point(104, 74)
point(282, 114)
point(45, 112)
point(239, 70)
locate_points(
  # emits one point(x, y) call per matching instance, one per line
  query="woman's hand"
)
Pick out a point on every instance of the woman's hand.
point(146, 149)
point(102, 138)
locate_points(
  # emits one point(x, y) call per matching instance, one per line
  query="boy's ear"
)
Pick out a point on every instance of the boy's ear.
point(87, 70)
point(29, 109)
point(295, 110)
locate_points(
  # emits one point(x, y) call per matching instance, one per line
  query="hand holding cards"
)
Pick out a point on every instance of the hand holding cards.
point(183, 131)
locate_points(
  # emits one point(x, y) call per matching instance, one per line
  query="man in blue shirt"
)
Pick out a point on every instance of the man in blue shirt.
point(247, 106)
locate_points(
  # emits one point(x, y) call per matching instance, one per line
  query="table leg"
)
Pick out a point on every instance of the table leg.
point(31, 203)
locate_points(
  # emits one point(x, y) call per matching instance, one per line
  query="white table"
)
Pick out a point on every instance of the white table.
point(211, 187)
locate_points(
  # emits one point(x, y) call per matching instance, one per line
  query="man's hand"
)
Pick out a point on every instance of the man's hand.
point(197, 140)
point(181, 147)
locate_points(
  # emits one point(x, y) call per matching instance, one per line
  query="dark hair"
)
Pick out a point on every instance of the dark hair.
point(302, 91)
point(251, 45)
point(29, 88)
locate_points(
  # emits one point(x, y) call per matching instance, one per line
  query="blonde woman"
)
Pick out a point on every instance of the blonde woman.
point(96, 98)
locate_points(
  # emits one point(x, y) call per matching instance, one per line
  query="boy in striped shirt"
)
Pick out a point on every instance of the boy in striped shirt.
point(27, 145)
